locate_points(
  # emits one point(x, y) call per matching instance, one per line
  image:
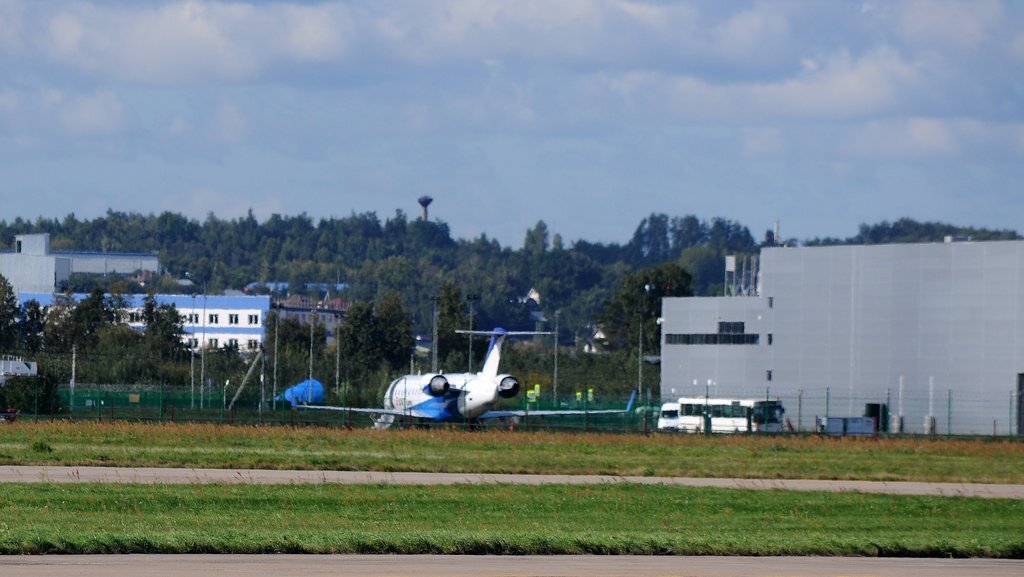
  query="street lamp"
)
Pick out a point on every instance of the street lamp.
point(202, 349)
point(554, 391)
point(433, 343)
point(309, 383)
point(640, 341)
point(707, 403)
point(472, 297)
point(192, 351)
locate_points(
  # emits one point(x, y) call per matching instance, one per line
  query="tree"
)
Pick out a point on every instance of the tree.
point(394, 329)
point(31, 327)
point(359, 342)
point(638, 303)
point(164, 331)
point(450, 317)
point(8, 316)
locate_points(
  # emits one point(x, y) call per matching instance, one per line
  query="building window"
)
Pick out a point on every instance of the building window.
point(211, 343)
point(253, 344)
point(769, 374)
point(771, 301)
point(193, 343)
point(769, 339)
point(192, 318)
point(133, 317)
point(730, 328)
point(232, 319)
point(214, 318)
point(17, 247)
point(254, 319)
point(712, 339)
point(233, 343)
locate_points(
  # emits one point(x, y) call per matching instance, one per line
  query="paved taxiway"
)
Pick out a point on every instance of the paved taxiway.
point(31, 474)
point(457, 566)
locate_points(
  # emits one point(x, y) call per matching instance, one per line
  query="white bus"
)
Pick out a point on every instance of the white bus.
point(687, 415)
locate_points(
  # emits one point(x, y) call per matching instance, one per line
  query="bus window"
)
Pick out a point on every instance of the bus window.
point(667, 414)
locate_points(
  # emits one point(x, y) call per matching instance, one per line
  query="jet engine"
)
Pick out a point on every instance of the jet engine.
point(438, 386)
point(508, 386)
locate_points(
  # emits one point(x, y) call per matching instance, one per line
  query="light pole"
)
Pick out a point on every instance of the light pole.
point(192, 352)
point(640, 340)
point(472, 297)
point(554, 387)
point(433, 342)
point(309, 383)
point(707, 403)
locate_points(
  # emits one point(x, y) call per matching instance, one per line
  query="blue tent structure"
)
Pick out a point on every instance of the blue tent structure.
point(307, 392)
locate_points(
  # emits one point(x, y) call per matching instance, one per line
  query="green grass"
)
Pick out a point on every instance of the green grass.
point(438, 450)
point(498, 519)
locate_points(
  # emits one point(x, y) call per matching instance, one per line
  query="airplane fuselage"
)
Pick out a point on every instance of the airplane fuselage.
point(468, 396)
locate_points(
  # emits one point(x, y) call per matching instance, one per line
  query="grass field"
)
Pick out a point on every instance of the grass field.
point(768, 457)
point(499, 519)
point(503, 519)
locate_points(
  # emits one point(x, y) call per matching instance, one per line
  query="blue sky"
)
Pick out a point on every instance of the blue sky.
point(589, 115)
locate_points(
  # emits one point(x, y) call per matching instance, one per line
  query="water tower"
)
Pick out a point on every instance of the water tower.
point(425, 202)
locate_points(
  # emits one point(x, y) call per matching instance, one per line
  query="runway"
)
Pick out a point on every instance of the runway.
point(34, 474)
point(494, 566)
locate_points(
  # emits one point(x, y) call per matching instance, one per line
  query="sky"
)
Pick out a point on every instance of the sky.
point(588, 115)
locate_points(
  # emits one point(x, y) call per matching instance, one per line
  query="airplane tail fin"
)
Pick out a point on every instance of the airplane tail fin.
point(493, 358)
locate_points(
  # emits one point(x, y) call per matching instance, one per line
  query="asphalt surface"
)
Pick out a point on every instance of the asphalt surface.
point(485, 566)
point(31, 474)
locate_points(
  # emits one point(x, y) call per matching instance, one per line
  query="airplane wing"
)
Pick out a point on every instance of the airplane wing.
point(500, 414)
point(396, 412)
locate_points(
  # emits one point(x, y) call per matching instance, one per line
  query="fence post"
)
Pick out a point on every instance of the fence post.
point(949, 413)
point(799, 410)
point(828, 395)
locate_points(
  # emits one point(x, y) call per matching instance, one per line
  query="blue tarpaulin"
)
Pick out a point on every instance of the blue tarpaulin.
point(309, 391)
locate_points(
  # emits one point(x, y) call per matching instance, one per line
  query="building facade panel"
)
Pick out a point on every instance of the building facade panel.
point(932, 329)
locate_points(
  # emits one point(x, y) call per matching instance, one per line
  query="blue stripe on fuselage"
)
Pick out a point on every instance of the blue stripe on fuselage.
point(443, 408)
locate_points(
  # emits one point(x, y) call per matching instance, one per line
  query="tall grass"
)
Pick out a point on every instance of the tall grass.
point(498, 519)
point(439, 450)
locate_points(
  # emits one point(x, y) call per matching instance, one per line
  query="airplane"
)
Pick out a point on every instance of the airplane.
point(458, 397)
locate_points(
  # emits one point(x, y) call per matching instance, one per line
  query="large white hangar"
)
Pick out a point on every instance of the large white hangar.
point(931, 330)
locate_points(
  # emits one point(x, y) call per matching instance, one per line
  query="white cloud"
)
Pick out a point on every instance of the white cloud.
point(948, 138)
point(842, 87)
point(8, 101)
point(950, 24)
point(11, 23)
point(192, 41)
point(1017, 47)
point(65, 34)
point(763, 142)
point(316, 33)
point(751, 36)
point(97, 113)
point(229, 124)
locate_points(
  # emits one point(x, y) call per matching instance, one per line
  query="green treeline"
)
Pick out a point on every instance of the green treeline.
point(374, 257)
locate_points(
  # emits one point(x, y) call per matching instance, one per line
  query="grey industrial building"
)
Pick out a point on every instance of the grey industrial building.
point(934, 331)
point(32, 267)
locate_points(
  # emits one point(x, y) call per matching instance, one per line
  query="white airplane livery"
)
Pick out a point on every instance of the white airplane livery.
point(457, 397)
